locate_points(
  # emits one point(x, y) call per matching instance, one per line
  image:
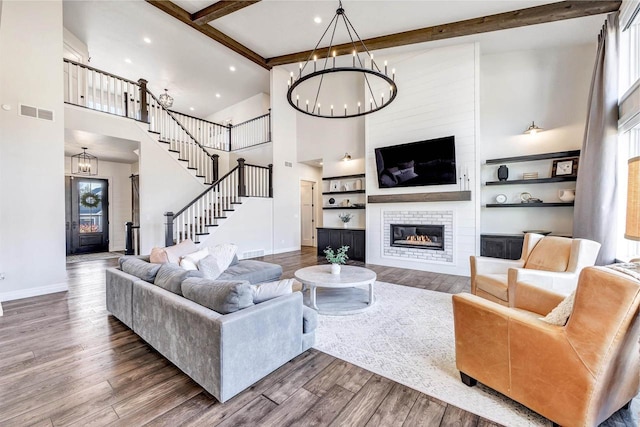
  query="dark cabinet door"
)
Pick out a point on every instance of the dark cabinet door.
point(359, 245)
point(337, 238)
point(505, 247)
point(323, 240)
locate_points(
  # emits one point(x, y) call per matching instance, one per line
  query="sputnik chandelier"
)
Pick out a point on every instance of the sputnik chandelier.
point(354, 87)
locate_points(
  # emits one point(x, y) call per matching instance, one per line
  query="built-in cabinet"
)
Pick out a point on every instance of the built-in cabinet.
point(344, 194)
point(337, 237)
point(506, 246)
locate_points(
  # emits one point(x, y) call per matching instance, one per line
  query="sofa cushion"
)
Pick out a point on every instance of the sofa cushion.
point(270, 290)
point(126, 257)
point(309, 319)
point(190, 261)
point(141, 269)
point(252, 271)
point(171, 276)
point(550, 254)
point(183, 248)
point(494, 284)
point(220, 296)
point(158, 255)
point(219, 259)
point(560, 315)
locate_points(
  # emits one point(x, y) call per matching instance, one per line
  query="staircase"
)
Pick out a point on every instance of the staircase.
point(217, 202)
point(190, 138)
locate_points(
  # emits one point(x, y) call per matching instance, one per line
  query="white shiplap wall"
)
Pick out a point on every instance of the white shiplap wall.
point(437, 97)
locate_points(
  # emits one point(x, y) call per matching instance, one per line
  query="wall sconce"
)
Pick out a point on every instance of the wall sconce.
point(632, 230)
point(346, 157)
point(533, 129)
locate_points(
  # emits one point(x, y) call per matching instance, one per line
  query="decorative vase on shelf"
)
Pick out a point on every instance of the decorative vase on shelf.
point(358, 184)
point(335, 268)
point(567, 195)
point(345, 224)
point(503, 173)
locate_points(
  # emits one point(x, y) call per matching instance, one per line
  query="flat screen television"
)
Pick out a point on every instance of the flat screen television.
point(430, 162)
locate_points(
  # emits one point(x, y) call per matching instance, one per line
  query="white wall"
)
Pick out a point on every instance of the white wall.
point(249, 227)
point(32, 232)
point(245, 110)
point(117, 174)
point(550, 87)
point(286, 179)
point(437, 97)
point(165, 184)
point(74, 46)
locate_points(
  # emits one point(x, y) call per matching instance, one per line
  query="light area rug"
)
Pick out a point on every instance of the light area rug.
point(408, 337)
point(72, 259)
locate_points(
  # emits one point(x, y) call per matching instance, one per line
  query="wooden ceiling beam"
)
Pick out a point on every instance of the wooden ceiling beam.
point(518, 18)
point(182, 15)
point(219, 9)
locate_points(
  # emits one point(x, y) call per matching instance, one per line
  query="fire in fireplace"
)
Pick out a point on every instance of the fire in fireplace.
point(420, 236)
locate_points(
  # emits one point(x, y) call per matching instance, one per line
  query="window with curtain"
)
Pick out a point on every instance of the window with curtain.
point(629, 123)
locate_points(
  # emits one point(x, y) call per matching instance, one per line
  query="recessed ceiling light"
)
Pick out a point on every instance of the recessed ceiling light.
point(147, 40)
point(317, 20)
point(217, 95)
point(127, 60)
point(232, 68)
point(191, 108)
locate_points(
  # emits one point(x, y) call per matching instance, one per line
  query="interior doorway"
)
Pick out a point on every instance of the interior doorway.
point(87, 215)
point(307, 214)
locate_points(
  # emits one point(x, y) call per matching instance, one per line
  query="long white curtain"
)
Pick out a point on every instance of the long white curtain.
point(596, 199)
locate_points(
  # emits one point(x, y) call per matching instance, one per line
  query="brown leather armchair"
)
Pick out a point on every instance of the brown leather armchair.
point(553, 263)
point(574, 375)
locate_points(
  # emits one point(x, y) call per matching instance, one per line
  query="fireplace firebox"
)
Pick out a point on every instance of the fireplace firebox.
point(418, 236)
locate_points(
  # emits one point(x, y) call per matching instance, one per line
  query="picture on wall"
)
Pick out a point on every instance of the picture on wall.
point(334, 185)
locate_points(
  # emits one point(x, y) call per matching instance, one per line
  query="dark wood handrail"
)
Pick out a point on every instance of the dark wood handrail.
point(204, 192)
point(256, 166)
point(250, 120)
point(100, 71)
point(198, 118)
point(180, 124)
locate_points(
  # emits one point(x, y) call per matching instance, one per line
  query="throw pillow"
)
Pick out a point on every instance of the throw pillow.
point(218, 260)
point(158, 256)
point(560, 315)
point(266, 291)
point(171, 276)
point(190, 262)
point(141, 269)
point(221, 297)
point(183, 248)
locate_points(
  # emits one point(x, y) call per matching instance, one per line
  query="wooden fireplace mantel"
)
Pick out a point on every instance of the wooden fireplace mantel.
point(444, 196)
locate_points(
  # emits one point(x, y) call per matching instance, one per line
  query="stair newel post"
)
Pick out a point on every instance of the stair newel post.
point(270, 180)
point(168, 231)
point(215, 159)
point(242, 190)
point(144, 110)
point(128, 227)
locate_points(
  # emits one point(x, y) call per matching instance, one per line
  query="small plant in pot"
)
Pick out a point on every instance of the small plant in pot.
point(345, 218)
point(336, 258)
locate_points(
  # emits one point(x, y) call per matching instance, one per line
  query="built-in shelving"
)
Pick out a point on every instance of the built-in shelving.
point(326, 193)
point(528, 205)
point(534, 157)
point(359, 175)
point(533, 181)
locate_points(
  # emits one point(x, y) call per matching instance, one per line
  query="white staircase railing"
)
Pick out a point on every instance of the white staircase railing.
point(214, 204)
point(180, 140)
point(251, 133)
point(209, 134)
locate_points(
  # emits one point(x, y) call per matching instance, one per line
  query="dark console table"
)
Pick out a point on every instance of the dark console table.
point(336, 237)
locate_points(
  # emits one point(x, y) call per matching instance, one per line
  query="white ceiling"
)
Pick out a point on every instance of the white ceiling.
point(194, 68)
point(105, 148)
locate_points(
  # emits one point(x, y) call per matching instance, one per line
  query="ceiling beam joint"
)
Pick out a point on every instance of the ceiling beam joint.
point(219, 9)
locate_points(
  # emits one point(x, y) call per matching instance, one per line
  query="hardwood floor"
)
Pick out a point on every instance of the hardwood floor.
point(65, 361)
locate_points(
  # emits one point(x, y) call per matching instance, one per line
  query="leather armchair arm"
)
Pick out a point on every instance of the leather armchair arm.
point(562, 283)
point(533, 298)
point(488, 265)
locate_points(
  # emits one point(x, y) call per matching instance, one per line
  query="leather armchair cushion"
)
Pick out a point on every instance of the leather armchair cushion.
point(494, 284)
point(550, 254)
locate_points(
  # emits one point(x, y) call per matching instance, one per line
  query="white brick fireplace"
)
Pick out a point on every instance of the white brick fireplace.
point(418, 218)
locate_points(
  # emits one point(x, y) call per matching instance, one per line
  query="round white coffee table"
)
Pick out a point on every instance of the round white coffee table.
point(340, 294)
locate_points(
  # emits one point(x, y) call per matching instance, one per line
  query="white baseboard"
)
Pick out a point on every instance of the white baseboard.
point(34, 292)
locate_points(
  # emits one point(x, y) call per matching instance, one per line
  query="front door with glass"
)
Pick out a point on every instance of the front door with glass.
point(87, 215)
